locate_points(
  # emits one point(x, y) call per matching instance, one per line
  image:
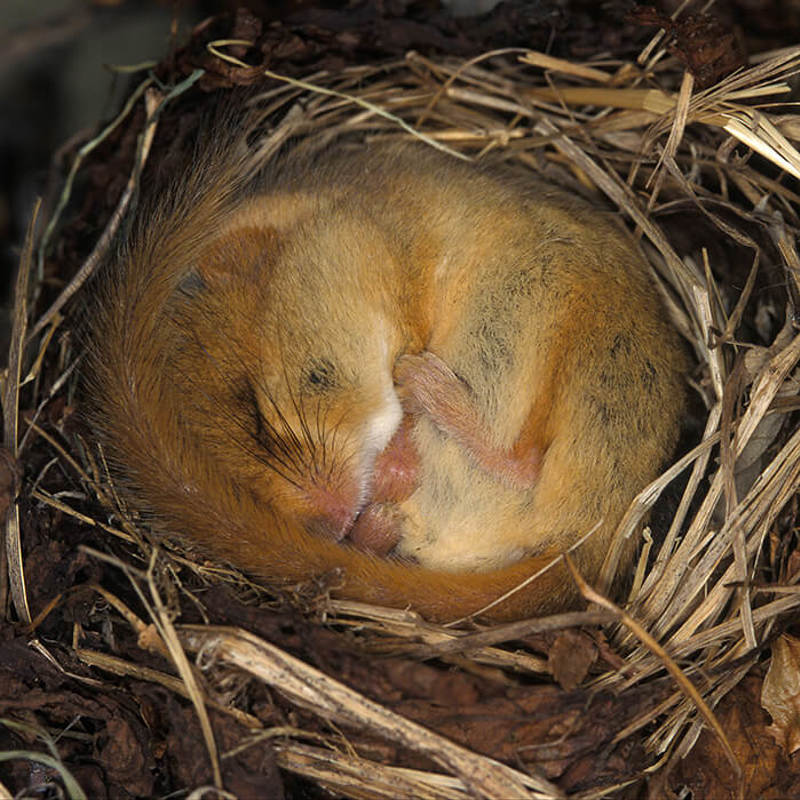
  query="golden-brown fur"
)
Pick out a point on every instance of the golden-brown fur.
point(257, 349)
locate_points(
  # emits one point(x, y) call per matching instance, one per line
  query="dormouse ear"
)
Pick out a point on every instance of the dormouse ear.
point(243, 253)
point(248, 247)
point(282, 210)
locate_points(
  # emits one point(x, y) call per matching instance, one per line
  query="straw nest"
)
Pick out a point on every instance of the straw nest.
point(706, 179)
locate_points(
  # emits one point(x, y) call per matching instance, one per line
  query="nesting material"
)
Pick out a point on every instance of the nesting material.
point(707, 179)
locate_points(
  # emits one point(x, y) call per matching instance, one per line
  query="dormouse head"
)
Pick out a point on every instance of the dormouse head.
point(288, 339)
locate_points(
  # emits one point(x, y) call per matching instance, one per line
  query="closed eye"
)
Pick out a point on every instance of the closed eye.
point(319, 376)
point(277, 448)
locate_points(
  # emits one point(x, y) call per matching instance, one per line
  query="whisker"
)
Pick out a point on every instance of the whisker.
point(271, 460)
point(279, 457)
point(295, 439)
point(319, 422)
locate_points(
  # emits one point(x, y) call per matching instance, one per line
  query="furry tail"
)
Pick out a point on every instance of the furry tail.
point(281, 552)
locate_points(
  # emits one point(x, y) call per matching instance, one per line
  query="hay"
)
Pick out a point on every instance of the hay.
point(639, 136)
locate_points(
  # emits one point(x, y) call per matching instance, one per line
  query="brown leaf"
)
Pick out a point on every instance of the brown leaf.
point(708, 49)
point(767, 774)
point(570, 657)
point(420, 680)
point(780, 696)
point(124, 759)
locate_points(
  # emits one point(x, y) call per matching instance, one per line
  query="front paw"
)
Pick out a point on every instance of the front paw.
point(378, 529)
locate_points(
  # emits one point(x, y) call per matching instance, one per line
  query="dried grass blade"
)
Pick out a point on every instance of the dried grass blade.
point(140, 672)
point(764, 390)
point(716, 636)
point(663, 561)
point(787, 244)
point(312, 688)
point(674, 581)
point(761, 135)
point(358, 778)
point(643, 502)
point(73, 789)
point(552, 64)
point(719, 692)
point(153, 100)
point(653, 101)
point(78, 161)
point(169, 637)
point(678, 124)
point(14, 566)
point(686, 686)
point(513, 630)
point(781, 476)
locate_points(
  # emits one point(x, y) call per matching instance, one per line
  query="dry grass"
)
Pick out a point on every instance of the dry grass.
point(640, 137)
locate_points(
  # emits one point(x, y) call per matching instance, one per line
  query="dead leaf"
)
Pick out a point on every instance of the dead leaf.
point(570, 656)
point(780, 695)
point(767, 774)
point(708, 48)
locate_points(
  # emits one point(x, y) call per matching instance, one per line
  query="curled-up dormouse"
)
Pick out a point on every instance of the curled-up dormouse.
point(432, 376)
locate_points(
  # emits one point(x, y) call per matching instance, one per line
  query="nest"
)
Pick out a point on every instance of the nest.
point(702, 168)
